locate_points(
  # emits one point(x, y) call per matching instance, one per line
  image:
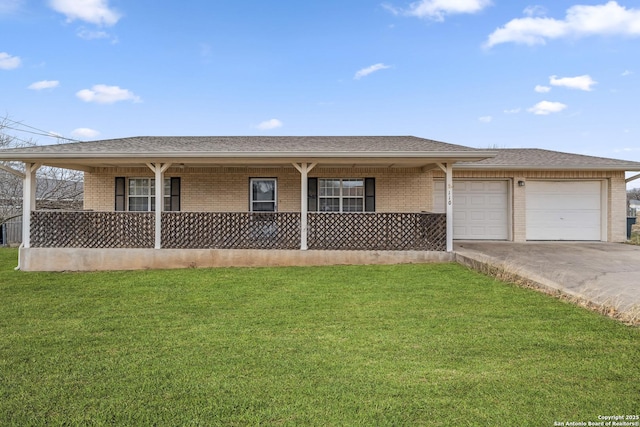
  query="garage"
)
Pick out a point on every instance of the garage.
point(564, 210)
point(480, 209)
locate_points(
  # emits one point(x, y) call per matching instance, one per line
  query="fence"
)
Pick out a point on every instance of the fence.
point(60, 229)
point(11, 232)
point(378, 231)
point(231, 230)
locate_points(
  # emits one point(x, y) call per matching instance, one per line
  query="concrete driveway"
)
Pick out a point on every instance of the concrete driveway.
point(607, 274)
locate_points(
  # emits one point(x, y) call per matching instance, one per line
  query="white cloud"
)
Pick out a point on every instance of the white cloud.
point(485, 119)
point(438, 9)
point(103, 94)
point(512, 111)
point(86, 34)
point(372, 69)
point(544, 108)
point(8, 62)
point(542, 89)
point(536, 10)
point(84, 133)
point(626, 73)
point(580, 21)
point(579, 82)
point(93, 11)
point(44, 84)
point(270, 124)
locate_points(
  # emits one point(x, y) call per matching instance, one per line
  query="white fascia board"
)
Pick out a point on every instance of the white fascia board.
point(250, 154)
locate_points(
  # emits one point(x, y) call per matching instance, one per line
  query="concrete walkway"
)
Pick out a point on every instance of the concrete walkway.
point(606, 274)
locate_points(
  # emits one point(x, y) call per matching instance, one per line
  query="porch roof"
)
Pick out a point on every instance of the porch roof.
point(389, 151)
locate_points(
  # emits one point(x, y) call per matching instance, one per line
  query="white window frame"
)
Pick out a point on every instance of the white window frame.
point(252, 202)
point(341, 196)
point(151, 194)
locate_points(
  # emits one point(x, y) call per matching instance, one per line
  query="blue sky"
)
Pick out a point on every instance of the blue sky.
point(554, 74)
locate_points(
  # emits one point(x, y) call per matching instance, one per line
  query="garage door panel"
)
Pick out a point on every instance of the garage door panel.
point(558, 210)
point(460, 216)
point(480, 209)
point(478, 216)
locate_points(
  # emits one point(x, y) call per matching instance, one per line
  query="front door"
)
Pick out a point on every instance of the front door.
point(264, 195)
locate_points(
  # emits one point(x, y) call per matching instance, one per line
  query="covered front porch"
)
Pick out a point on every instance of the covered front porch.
point(297, 229)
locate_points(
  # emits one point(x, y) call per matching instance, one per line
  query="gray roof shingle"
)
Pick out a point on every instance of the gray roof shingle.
point(536, 158)
point(349, 146)
point(243, 144)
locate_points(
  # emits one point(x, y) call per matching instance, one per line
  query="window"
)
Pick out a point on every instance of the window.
point(142, 194)
point(263, 195)
point(341, 195)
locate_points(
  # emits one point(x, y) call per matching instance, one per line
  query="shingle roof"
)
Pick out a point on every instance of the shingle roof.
point(380, 147)
point(536, 158)
point(243, 144)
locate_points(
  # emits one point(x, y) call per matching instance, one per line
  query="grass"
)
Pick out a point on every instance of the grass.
point(435, 345)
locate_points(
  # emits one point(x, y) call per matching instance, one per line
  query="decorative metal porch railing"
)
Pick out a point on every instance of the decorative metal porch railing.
point(64, 229)
point(231, 230)
point(377, 231)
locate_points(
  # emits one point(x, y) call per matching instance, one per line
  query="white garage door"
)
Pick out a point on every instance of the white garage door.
point(480, 209)
point(564, 210)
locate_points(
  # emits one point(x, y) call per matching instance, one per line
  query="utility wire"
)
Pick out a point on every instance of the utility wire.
point(38, 132)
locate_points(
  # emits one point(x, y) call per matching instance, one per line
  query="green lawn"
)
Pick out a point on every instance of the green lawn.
point(435, 345)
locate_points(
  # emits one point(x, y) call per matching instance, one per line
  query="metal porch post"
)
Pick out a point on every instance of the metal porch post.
point(449, 199)
point(304, 169)
point(159, 169)
point(28, 201)
point(447, 168)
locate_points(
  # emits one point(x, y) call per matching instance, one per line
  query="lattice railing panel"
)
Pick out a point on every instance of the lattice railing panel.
point(60, 229)
point(377, 231)
point(231, 230)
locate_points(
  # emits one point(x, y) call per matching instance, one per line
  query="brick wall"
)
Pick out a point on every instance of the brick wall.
point(227, 189)
point(397, 190)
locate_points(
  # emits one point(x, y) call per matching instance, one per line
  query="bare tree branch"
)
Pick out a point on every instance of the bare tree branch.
point(55, 188)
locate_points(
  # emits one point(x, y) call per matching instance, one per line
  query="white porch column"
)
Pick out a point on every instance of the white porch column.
point(304, 169)
point(159, 169)
point(447, 168)
point(28, 201)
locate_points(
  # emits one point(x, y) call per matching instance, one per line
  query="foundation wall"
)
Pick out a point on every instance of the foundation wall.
point(71, 259)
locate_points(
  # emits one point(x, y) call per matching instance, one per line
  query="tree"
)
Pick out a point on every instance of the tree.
point(55, 188)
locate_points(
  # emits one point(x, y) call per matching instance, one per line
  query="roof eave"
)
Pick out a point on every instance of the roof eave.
point(445, 155)
point(626, 168)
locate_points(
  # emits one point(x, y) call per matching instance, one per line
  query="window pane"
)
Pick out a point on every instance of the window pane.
point(264, 207)
point(139, 204)
point(352, 205)
point(139, 187)
point(329, 205)
point(263, 190)
point(329, 188)
point(352, 188)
